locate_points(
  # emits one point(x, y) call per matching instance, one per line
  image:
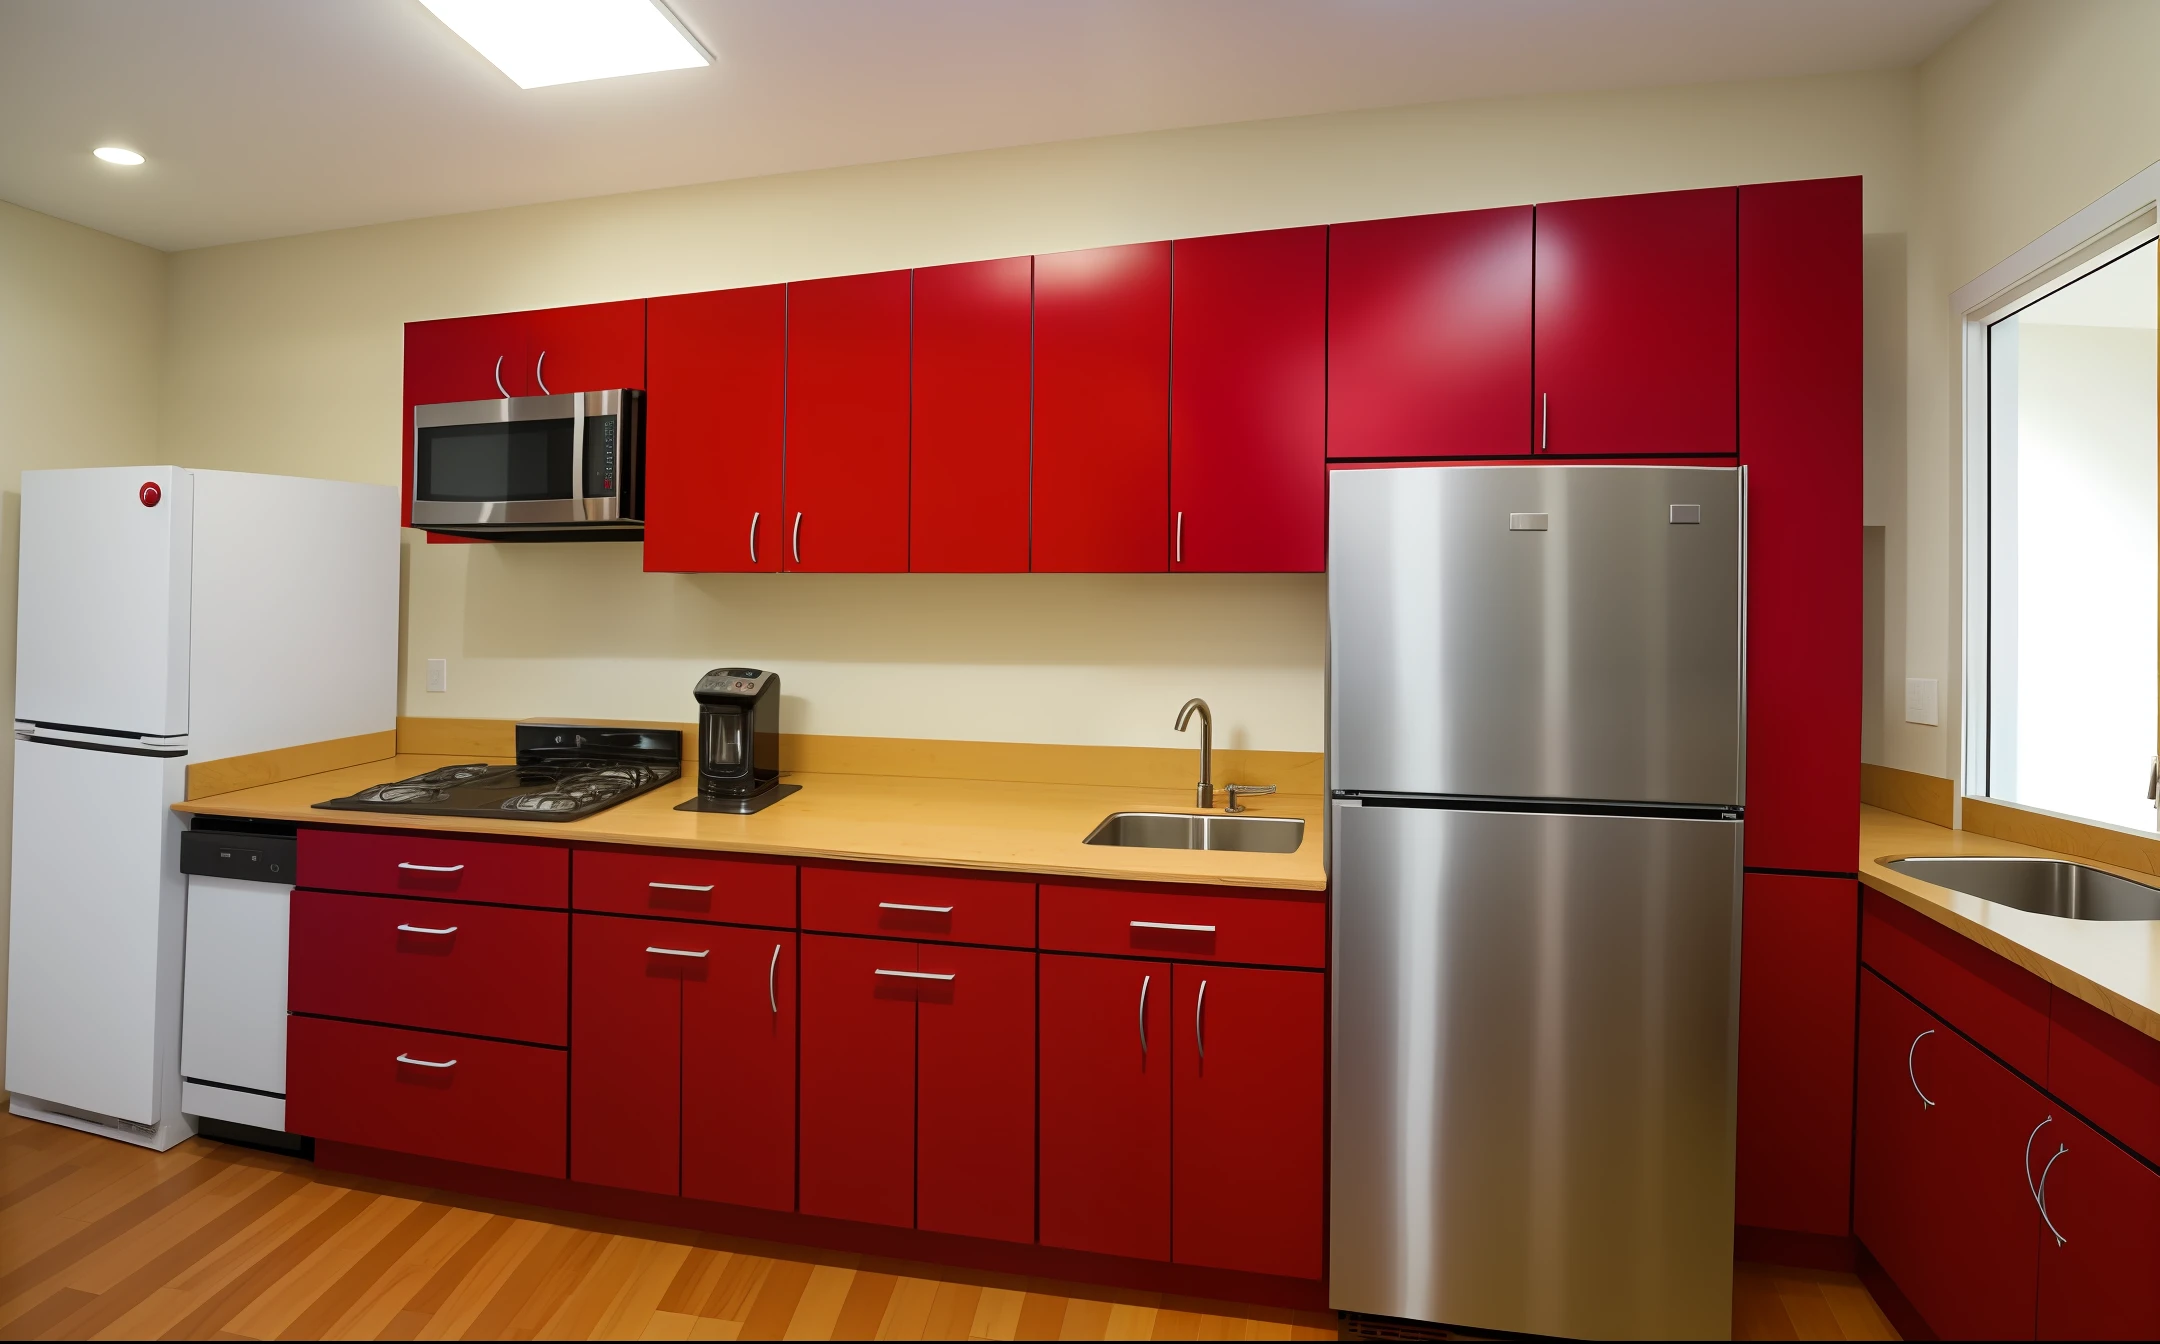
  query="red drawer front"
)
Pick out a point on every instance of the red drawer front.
point(444, 965)
point(2002, 1006)
point(497, 1105)
point(684, 886)
point(943, 907)
point(2108, 1070)
point(500, 872)
point(1275, 928)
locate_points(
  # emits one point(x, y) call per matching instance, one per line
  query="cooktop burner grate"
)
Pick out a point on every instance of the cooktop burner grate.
point(563, 772)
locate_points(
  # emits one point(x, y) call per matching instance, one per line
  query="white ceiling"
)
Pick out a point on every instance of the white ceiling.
point(270, 117)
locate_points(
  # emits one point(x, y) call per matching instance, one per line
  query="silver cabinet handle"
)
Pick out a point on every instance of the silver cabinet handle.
point(1143, 1012)
point(678, 952)
point(415, 928)
point(795, 540)
point(1179, 553)
point(754, 516)
point(2030, 1188)
point(1199, 1033)
point(772, 971)
point(926, 909)
point(428, 1063)
point(679, 886)
point(916, 975)
point(538, 365)
point(2040, 1195)
point(498, 378)
point(1174, 928)
point(1925, 1100)
point(1544, 433)
point(432, 868)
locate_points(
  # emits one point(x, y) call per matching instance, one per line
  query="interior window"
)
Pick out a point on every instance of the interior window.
point(2073, 595)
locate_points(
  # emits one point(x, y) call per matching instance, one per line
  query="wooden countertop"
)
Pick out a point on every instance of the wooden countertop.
point(2114, 965)
point(947, 823)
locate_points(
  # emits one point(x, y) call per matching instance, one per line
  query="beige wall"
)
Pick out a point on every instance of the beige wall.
point(82, 338)
point(284, 356)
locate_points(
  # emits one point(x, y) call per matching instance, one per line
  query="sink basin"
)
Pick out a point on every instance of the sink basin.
point(2041, 886)
point(1179, 830)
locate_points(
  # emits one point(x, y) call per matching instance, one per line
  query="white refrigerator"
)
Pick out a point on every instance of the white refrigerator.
point(164, 617)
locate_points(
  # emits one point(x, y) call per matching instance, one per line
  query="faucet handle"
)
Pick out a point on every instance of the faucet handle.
point(1235, 790)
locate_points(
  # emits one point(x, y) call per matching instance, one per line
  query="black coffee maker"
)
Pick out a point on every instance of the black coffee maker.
point(738, 742)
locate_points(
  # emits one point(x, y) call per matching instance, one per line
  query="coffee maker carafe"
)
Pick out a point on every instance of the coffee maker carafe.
point(738, 742)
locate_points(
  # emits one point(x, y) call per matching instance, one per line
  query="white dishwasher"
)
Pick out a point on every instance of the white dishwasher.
point(232, 1012)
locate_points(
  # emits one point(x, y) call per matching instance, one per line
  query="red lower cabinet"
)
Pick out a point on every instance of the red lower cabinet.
point(1246, 1154)
point(858, 1079)
point(2101, 1238)
point(975, 1093)
point(738, 1069)
point(1105, 1135)
point(626, 1050)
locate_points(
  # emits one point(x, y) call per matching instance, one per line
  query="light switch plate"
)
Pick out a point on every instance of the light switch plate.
point(1920, 701)
point(438, 674)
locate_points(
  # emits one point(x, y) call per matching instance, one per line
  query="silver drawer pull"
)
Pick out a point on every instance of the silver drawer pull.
point(1174, 928)
point(773, 969)
point(428, 1063)
point(431, 868)
point(679, 886)
point(915, 975)
point(415, 928)
point(678, 952)
point(925, 909)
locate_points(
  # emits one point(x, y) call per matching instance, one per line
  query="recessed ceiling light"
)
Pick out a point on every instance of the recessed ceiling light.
point(542, 42)
point(115, 154)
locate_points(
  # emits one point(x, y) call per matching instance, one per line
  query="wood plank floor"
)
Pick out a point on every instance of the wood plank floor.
point(107, 1241)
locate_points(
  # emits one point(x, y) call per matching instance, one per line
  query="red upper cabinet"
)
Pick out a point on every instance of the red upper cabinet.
point(847, 425)
point(858, 1079)
point(1106, 1053)
point(590, 348)
point(738, 1067)
point(975, 1093)
point(1248, 402)
point(1429, 336)
point(1101, 500)
point(1635, 325)
point(714, 420)
point(968, 473)
point(1800, 383)
point(625, 1048)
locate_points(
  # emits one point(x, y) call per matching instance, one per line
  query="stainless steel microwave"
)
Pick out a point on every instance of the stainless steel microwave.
point(567, 467)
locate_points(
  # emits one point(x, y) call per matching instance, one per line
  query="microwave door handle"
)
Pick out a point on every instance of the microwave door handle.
point(577, 454)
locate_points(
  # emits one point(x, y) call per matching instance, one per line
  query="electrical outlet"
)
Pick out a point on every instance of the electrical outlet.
point(1920, 701)
point(438, 674)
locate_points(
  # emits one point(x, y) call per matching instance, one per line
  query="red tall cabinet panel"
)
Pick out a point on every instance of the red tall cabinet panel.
point(847, 424)
point(626, 1051)
point(2097, 1282)
point(1107, 1047)
point(714, 419)
point(968, 474)
point(1246, 1119)
point(975, 1092)
point(1428, 337)
point(857, 1129)
point(1799, 944)
point(1800, 441)
point(738, 1068)
point(1248, 402)
point(1635, 326)
point(1101, 499)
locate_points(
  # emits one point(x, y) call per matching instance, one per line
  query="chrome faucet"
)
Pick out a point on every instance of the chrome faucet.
point(1204, 794)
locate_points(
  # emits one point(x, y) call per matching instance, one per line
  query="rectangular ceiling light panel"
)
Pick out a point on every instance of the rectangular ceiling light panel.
point(542, 42)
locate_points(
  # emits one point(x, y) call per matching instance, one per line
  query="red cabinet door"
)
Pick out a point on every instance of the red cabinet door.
point(975, 1093)
point(1102, 410)
point(1800, 441)
point(847, 424)
point(858, 1080)
point(1105, 1132)
point(1799, 952)
point(1248, 402)
point(968, 452)
point(1429, 335)
point(2101, 1237)
point(1635, 324)
point(1251, 1080)
point(589, 348)
point(626, 1048)
point(713, 430)
point(1940, 1175)
point(738, 1068)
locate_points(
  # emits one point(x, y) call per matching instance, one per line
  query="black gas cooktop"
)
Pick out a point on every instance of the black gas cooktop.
point(564, 771)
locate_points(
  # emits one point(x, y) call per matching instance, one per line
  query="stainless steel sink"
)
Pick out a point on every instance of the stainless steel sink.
point(2041, 886)
point(1178, 830)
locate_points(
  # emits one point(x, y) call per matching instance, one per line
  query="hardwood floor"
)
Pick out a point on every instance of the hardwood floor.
point(102, 1240)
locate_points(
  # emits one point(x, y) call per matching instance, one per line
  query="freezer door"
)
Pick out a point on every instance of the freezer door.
point(1535, 1027)
point(101, 626)
point(95, 930)
point(1536, 632)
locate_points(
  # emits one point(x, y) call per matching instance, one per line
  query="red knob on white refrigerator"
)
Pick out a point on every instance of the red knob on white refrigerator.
point(149, 494)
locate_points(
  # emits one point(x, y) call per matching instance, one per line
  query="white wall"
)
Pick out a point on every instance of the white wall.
point(285, 357)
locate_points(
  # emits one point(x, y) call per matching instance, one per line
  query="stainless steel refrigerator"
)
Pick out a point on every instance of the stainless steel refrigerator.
point(1535, 757)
